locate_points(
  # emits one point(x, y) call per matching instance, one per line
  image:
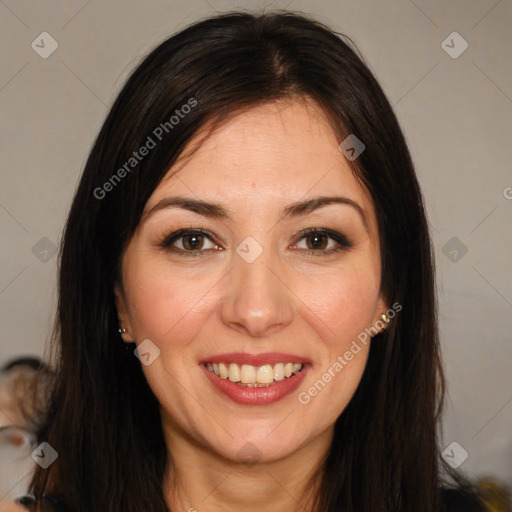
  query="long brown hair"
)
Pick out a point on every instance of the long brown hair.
point(103, 419)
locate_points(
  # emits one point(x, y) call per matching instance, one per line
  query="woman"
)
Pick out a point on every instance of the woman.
point(250, 221)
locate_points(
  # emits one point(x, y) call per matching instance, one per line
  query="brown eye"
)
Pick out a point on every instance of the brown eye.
point(193, 242)
point(189, 242)
point(317, 241)
point(320, 241)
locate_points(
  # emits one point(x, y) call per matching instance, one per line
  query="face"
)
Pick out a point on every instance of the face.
point(10, 413)
point(11, 384)
point(254, 265)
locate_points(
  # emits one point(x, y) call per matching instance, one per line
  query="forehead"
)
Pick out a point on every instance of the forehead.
point(261, 159)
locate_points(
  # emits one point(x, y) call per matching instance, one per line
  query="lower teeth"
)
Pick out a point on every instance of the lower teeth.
point(254, 385)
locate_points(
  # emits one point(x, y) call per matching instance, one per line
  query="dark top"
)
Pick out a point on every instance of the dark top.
point(455, 500)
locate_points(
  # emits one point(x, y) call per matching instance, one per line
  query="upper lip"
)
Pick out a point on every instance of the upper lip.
point(255, 359)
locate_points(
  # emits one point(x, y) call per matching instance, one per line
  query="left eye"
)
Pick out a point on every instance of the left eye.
point(319, 240)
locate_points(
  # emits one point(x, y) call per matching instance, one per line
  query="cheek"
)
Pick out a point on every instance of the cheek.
point(161, 304)
point(342, 305)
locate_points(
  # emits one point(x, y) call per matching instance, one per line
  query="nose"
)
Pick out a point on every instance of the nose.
point(259, 301)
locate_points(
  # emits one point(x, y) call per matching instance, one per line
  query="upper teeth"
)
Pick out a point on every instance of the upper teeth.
point(248, 374)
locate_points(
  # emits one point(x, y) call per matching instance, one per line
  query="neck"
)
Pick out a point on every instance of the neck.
point(200, 479)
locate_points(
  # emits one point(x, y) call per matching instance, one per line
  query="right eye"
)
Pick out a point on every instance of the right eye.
point(189, 242)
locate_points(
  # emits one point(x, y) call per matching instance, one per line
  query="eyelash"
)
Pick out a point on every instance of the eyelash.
point(339, 238)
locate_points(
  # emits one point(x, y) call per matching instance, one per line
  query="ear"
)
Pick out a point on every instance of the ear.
point(122, 314)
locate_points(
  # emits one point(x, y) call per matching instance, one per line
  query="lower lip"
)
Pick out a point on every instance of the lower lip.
point(257, 396)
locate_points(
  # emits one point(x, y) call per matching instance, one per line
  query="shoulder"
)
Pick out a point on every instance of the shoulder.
point(458, 499)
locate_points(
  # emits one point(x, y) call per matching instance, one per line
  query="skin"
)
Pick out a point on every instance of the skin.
point(11, 506)
point(12, 385)
point(287, 300)
point(9, 415)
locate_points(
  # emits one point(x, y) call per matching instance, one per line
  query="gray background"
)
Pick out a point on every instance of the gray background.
point(456, 114)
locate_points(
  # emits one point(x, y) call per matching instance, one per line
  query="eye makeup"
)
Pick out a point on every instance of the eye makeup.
point(192, 241)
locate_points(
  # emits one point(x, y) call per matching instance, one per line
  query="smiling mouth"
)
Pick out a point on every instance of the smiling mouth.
point(263, 376)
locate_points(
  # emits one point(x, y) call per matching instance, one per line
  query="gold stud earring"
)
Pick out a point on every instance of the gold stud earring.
point(385, 319)
point(127, 338)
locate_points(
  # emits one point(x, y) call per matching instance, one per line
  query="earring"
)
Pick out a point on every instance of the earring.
point(385, 319)
point(127, 338)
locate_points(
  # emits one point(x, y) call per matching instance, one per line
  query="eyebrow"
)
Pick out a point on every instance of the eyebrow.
point(216, 210)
